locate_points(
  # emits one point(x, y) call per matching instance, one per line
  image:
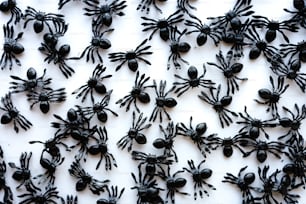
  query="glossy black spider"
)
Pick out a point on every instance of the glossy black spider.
point(196, 135)
point(162, 101)
point(151, 161)
point(11, 47)
point(132, 57)
point(94, 83)
point(101, 148)
point(298, 16)
point(7, 194)
point(192, 81)
point(31, 83)
point(113, 195)
point(219, 105)
point(185, 6)
point(164, 25)
point(51, 38)
point(11, 6)
point(45, 97)
point(271, 97)
point(13, 115)
point(283, 186)
point(230, 71)
point(244, 184)
point(145, 5)
point(298, 49)
point(173, 183)
point(70, 200)
point(203, 30)
point(199, 176)
point(42, 19)
point(252, 127)
point(103, 14)
point(100, 109)
point(86, 180)
point(50, 195)
point(135, 133)
point(137, 92)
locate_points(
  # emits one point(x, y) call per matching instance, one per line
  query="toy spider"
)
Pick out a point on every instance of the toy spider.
point(137, 92)
point(11, 6)
point(164, 25)
point(42, 19)
point(135, 133)
point(196, 135)
point(284, 188)
point(7, 194)
point(13, 115)
point(219, 105)
point(70, 200)
point(50, 195)
point(45, 97)
point(145, 5)
point(230, 71)
point(291, 49)
point(86, 180)
point(253, 126)
point(271, 98)
point(51, 38)
point(244, 184)
point(31, 83)
point(192, 81)
point(94, 83)
point(103, 14)
point(132, 57)
point(199, 177)
point(203, 30)
point(113, 195)
point(162, 101)
point(185, 6)
point(298, 16)
point(11, 47)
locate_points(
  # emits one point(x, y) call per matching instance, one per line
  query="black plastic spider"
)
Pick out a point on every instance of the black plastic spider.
point(45, 97)
point(137, 92)
point(135, 133)
point(199, 176)
point(50, 195)
point(7, 194)
point(31, 83)
point(86, 180)
point(132, 57)
point(42, 19)
point(94, 83)
point(162, 101)
point(252, 127)
point(70, 200)
point(298, 15)
point(244, 184)
point(11, 6)
point(103, 14)
point(145, 5)
point(192, 81)
point(164, 25)
point(113, 195)
point(196, 135)
point(219, 105)
point(13, 115)
point(51, 38)
point(271, 97)
point(283, 186)
point(204, 31)
point(166, 143)
point(11, 47)
point(185, 6)
point(298, 49)
point(230, 71)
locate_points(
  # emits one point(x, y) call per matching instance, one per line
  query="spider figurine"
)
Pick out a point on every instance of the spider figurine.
point(196, 135)
point(145, 5)
point(230, 71)
point(244, 184)
point(51, 38)
point(7, 194)
point(50, 195)
point(86, 180)
point(135, 133)
point(103, 14)
point(45, 97)
point(298, 15)
point(94, 83)
point(199, 176)
point(31, 83)
point(137, 92)
point(291, 49)
point(11, 47)
point(167, 143)
point(252, 127)
point(203, 30)
point(11, 6)
point(271, 97)
point(164, 25)
point(70, 200)
point(132, 57)
point(113, 195)
point(162, 101)
point(192, 81)
point(42, 19)
point(219, 105)
point(13, 115)
point(185, 6)
point(283, 186)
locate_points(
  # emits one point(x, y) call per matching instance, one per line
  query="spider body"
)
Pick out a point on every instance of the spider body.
point(51, 38)
point(283, 186)
point(113, 196)
point(11, 6)
point(50, 195)
point(298, 15)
